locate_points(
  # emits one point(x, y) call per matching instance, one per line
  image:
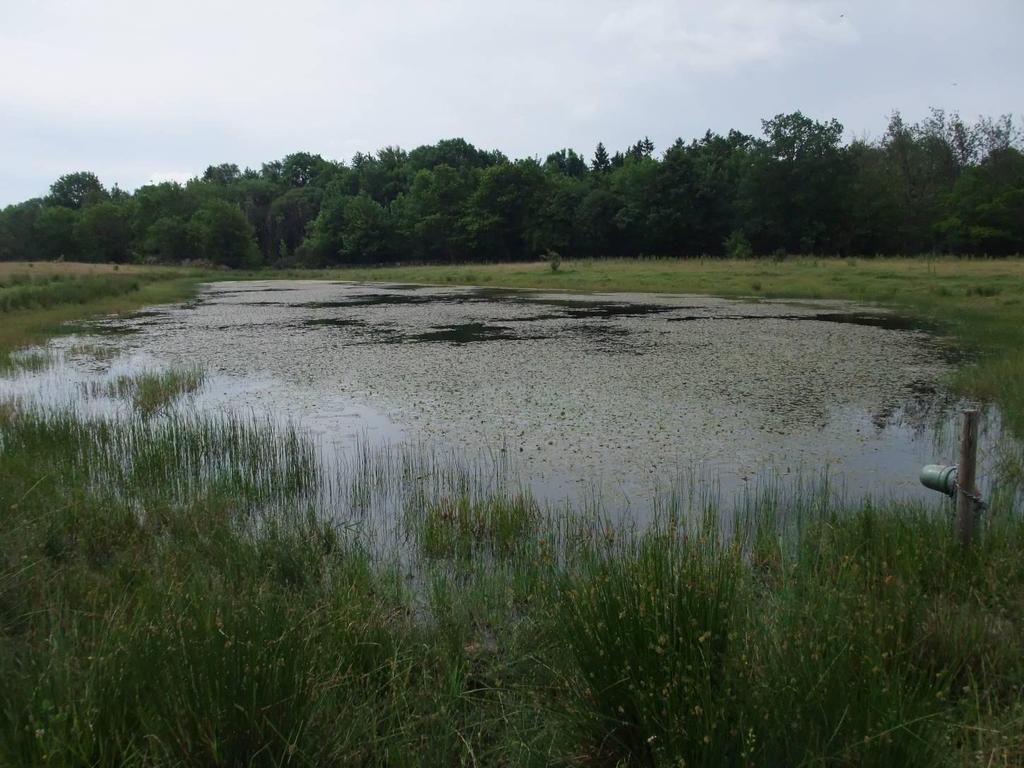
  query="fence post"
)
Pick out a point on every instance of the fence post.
point(966, 512)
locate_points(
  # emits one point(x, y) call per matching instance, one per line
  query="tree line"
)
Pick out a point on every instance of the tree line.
point(938, 185)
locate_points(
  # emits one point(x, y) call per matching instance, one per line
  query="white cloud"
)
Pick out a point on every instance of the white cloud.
point(123, 86)
point(724, 36)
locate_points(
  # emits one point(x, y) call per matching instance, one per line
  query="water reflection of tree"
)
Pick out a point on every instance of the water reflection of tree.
point(920, 409)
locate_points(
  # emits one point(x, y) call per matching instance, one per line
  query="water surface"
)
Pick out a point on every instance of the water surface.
point(610, 394)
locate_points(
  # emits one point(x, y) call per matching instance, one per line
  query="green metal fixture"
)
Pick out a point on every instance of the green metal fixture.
point(940, 478)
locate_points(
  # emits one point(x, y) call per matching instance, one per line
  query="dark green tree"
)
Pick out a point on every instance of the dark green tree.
point(367, 231)
point(554, 225)
point(635, 182)
point(455, 153)
point(157, 201)
point(225, 173)
point(793, 193)
point(383, 176)
point(922, 166)
point(323, 244)
point(643, 148)
point(54, 233)
point(502, 213)
point(292, 213)
point(567, 163)
point(986, 207)
point(873, 201)
point(168, 239)
point(18, 234)
point(597, 231)
point(256, 196)
point(302, 168)
point(75, 190)
point(104, 232)
point(221, 234)
point(430, 215)
point(719, 163)
point(939, 184)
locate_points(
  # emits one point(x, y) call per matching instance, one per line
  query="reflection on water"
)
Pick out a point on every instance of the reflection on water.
point(583, 396)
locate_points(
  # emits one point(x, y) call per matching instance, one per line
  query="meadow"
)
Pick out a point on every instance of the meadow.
point(198, 590)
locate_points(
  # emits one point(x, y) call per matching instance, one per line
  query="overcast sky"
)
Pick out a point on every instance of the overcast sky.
point(139, 90)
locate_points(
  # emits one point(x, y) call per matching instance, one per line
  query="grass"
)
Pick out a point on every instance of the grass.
point(863, 647)
point(200, 591)
point(178, 589)
point(37, 300)
point(153, 392)
point(97, 352)
point(461, 525)
point(167, 595)
point(26, 271)
point(27, 360)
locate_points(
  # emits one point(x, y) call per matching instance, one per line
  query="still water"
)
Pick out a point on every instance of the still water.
point(599, 395)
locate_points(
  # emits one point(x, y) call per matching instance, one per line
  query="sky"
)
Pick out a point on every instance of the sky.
point(149, 90)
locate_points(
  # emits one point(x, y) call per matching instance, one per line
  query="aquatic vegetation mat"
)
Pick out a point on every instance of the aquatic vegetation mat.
point(607, 390)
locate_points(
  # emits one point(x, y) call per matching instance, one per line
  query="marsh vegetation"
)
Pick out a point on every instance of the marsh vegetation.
point(152, 392)
point(182, 587)
point(38, 300)
point(174, 590)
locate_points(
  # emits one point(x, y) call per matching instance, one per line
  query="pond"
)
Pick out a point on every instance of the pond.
point(611, 396)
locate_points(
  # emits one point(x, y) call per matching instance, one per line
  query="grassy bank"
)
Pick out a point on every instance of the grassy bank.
point(177, 591)
point(37, 299)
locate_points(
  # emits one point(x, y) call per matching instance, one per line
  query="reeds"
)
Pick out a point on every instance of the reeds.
point(28, 292)
point(153, 392)
point(30, 360)
point(196, 590)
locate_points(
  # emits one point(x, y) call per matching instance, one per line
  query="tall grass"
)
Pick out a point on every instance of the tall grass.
point(873, 644)
point(173, 591)
point(35, 306)
point(153, 392)
point(203, 591)
point(650, 632)
point(21, 292)
point(30, 360)
point(461, 525)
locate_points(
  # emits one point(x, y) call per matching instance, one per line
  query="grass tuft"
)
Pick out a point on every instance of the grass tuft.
point(459, 525)
point(25, 361)
point(98, 352)
point(152, 393)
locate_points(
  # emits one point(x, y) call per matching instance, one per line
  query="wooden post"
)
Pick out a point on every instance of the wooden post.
point(966, 512)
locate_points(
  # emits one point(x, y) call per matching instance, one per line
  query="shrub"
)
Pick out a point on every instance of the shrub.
point(737, 246)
